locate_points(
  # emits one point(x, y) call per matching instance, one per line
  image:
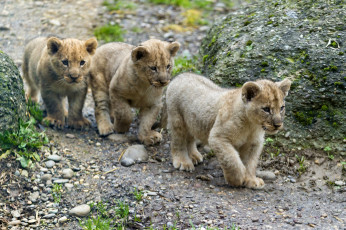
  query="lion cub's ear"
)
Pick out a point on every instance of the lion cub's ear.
point(284, 85)
point(250, 90)
point(91, 45)
point(53, 45)
point(173, 48)
point(138, 53)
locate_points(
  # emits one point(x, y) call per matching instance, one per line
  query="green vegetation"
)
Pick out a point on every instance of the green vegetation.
point(302, 167)
point(34, 110)
point(56, 193)
point(23, 143)
point(119, 5)
point(103, 218)
point(198, 4)
point(328, 149)
point(271, 149)
point(110, 33)
point(138, 194)
point(185, 64)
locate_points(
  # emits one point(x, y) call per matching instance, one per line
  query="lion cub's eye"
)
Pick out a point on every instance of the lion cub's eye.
point(153, 68)
point(282, 108)
point(65, 62)
point(266, 109)
point(169, 66)
point(82, 63)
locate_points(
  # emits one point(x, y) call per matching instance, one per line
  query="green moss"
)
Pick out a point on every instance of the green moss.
point(337, 83)
point(303, 118)
point(236, 36)
point(263, 70)
point(185, 64)
point(238, 85)
point(334, 44)
point(270, 22)
point(205, 58)
point(341, 53)
point(264, 64)
point(229, 53)
point(332, 68)
point(248, 43)
point(324, 108)
point(247, 22)
point(213, 40)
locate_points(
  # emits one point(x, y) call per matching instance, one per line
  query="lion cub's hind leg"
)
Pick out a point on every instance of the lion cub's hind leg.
point(179, 148)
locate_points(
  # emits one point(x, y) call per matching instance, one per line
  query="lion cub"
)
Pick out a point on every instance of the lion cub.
point(58, 68)
point(231, 121)
point(123, 76)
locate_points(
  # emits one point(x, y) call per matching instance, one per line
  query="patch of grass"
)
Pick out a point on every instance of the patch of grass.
point(56, 193)
point(23, 143)
point(95, 223)
point(192, 17)
point(110, 33)
point(197, 4)
point(136, 29)
point(185, 64)
point(328, 149)
point(34, 110)
point(302, 167)
point(119, 5)
point(138, 194)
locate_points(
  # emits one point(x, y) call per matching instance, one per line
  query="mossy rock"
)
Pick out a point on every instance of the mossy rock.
point(302, 40)
point(12, 96)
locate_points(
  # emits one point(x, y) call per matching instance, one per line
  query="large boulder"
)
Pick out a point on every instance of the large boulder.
point(12, 96)
point(304, 41)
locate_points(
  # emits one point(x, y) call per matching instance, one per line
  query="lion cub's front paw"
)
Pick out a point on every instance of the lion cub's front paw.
point(105, 129)
point(50, 121)
point(79, 124)
point(151, 138)
point(196, 157)
point(183, 163)
point(254, 183)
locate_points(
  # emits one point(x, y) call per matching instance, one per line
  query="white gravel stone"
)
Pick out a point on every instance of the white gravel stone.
point(49, 164)
point(55, 158)
point(81, 210)
point(266, 175)
point(62, 219)
point(67, 173)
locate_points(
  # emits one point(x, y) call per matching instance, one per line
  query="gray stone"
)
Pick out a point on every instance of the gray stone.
point(266, 175)
point(48, 216)
point(119, 138)
point(15, 213)
point(46, 177)
point(138, 153)
point(69, 186)
point(60, 181)
point(12, 98)
point(67, 173)
point(14, 222)
point(62, 219)
point(127, 162)
point(267, 41)
point(339, 183)
point(49, 164)
point(80, 211)
point(55, 158)
point(25, 173)
point(33, 196)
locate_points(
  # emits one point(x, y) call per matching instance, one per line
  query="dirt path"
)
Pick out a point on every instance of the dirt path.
point(170, 197)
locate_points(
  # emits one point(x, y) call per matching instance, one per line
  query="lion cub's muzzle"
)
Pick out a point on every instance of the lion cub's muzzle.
point(160, 83)
point(73, 78)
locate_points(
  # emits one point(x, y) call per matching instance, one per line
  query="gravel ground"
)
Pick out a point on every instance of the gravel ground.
point(289, 201)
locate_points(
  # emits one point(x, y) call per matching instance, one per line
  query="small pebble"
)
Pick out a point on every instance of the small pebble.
point(55, 158)
point(80, 211)
point(49, 164)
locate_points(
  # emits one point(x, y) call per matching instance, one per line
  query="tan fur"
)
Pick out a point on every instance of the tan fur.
point(121, 77)
point(44, 71)
point(232, 121)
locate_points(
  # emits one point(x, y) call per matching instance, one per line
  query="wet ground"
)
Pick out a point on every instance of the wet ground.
point(313, 200)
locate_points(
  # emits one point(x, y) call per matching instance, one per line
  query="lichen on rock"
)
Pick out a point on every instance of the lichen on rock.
point(12, 96)
point(273, 40)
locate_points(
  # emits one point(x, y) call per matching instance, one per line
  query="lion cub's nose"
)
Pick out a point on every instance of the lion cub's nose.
point(74, 76)
point(277, 125)
point(164, 81)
